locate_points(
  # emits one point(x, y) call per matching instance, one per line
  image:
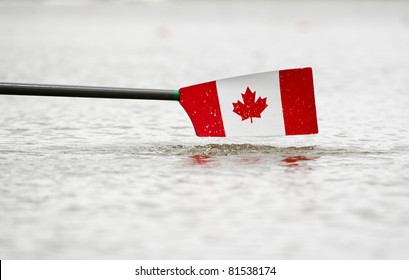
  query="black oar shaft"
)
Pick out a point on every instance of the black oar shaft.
point(87, 92)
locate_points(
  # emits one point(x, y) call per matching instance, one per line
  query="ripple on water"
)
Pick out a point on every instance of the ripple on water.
point(225, 149)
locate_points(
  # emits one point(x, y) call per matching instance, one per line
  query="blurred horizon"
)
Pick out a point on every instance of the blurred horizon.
point(87, 2)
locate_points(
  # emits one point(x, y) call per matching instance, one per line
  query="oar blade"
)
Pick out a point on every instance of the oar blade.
point(264, 104)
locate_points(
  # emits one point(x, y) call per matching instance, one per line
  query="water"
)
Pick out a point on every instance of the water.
point(120, 179)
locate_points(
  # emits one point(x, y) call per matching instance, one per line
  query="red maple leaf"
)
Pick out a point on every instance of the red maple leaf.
point(250, 108)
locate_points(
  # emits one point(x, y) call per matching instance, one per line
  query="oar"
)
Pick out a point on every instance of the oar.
point(87, 92)
point(264, 104)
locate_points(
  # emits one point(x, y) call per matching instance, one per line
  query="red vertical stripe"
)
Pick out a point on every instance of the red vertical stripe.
point(297, 97)
point(201, 103)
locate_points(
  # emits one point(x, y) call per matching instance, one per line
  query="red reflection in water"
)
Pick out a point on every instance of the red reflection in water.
point(200, 159)
point(294, 161)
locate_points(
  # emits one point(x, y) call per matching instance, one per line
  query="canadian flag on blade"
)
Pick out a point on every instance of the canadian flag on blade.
point(265, 104)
